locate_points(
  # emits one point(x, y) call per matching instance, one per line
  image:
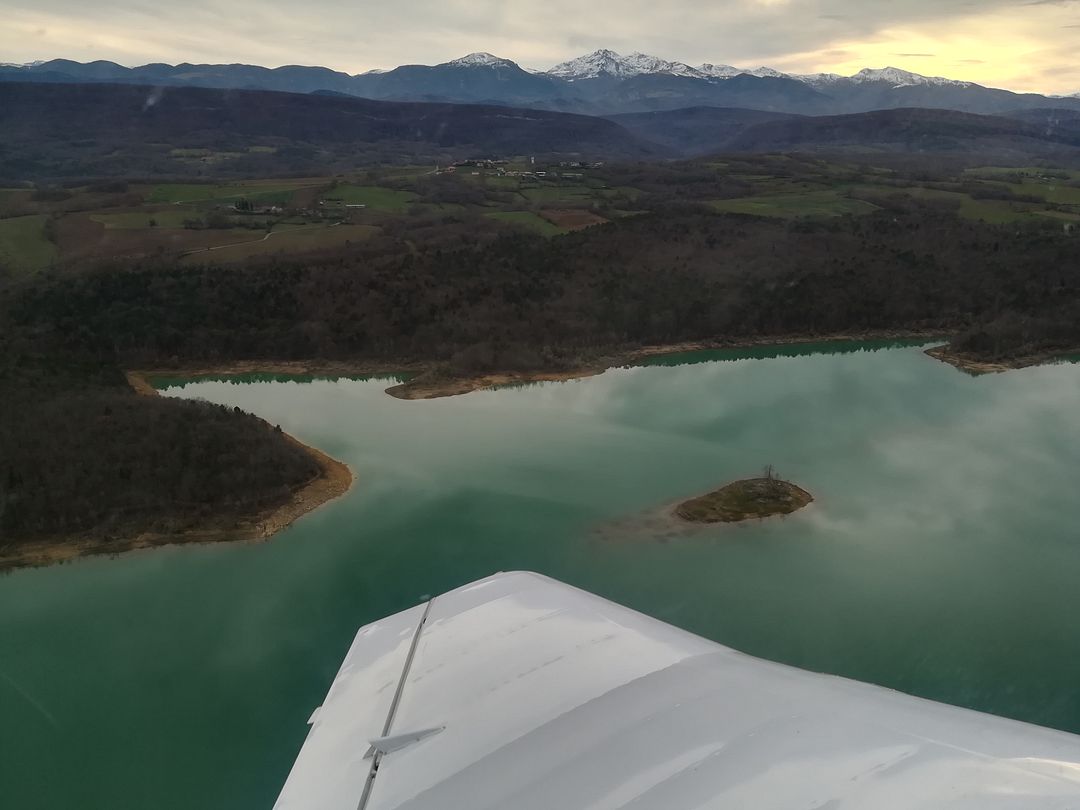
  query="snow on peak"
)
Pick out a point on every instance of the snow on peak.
point(481, 59)
point(818, 79)
point(609, 63)
point(598, 63)
point(606, 62)
point(767, 73)
point(903, 78)
point(712, 71)
point(644, 63)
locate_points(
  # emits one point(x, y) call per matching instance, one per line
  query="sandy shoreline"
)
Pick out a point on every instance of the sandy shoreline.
point(334, 480)
point(456, 386)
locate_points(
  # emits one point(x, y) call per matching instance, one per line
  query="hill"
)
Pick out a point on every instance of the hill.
point(694, 130)
point(54, 130)
point(907, 130)
point(1052, 122)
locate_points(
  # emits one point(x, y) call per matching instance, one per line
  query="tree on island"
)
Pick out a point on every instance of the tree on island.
point(773, 483)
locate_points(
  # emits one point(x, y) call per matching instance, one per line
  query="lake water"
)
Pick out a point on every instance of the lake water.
point(941, 557)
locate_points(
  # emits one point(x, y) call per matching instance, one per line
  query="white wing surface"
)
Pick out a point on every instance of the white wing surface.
point(521, 692)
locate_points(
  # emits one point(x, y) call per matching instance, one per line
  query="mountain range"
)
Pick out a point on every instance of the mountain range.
point(601, 83)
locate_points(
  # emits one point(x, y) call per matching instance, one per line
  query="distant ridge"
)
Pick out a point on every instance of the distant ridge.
point(59, 131)
point(603, 82)
point(63, 130)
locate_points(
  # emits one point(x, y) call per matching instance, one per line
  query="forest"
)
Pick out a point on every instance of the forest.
point(82, 454)
point(512, 301)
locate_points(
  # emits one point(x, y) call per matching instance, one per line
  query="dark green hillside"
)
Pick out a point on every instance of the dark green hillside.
point(58, 130)
point(906, 130)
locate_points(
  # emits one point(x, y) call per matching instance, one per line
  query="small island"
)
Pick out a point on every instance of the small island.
point(745, 500)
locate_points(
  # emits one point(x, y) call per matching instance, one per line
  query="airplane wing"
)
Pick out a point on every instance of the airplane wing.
point(521, 692)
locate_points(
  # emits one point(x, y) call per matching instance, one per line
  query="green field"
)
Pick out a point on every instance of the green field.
point(23, 245)
point(173, 218)
point(376, 198)
point(1035, 172)
point(994, 212)
point(1051, 191)
point(256, 191)
point(529, 220)
point(812, 204)
point(1061, 215)
point(292, 240)
point(558, 194)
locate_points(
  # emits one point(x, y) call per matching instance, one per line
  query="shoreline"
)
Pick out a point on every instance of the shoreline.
point(976, 368)
point(458, 386)
point(335, 478)
point(455, 386)
point(419, 388)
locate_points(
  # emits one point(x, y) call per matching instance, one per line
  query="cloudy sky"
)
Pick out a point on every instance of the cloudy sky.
point(1025, 45)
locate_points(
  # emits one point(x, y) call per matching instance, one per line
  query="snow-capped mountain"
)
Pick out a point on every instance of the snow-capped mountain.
point(819, 79)
point(710, 71)
point(605, 62)
point(481, 59)
point(767, 73)
point(614, 65)
point(904, 78)
point(610, 63)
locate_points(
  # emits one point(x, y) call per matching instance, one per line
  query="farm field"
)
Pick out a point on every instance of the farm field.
point(267, 191)
point(1051, 191)
point(559, 194)
point(23, 244)
point(377, 198)
point(572, 219)
point(168, 218)
point(529, 220)
point(995, 212)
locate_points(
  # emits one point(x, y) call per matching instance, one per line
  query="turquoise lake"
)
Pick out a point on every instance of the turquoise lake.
point(941, 556)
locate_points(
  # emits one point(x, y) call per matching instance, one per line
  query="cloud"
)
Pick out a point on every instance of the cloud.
point(1009, 44)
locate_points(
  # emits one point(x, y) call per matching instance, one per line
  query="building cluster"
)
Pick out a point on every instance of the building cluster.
point(500, 168)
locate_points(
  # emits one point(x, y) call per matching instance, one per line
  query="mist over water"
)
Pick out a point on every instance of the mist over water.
point(940, 557)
